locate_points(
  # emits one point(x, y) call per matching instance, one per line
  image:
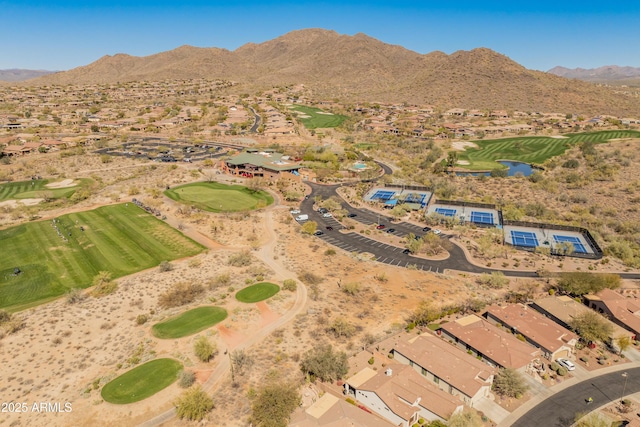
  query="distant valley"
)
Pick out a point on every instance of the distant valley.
point(18, 75)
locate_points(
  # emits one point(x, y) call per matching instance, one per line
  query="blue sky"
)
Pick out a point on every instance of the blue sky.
point(60, 34)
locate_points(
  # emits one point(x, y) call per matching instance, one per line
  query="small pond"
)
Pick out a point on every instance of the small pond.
point(514, 167)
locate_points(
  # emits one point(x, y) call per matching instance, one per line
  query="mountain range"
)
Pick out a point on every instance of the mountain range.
point(361, 68)
point(606, 74)
point(18, 75)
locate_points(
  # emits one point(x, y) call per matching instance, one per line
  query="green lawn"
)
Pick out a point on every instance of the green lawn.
point(117, 238)
point(189, 322)
point(531, 149)
point(258, 292)
point(317, 119)
point(216, 197)
point(142, 382)
point(36, 189)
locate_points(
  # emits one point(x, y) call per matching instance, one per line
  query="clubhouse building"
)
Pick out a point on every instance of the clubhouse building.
point(263, 164)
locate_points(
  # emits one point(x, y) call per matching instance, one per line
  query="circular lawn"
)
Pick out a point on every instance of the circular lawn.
point(142, 382)
point(216, 197)
point(258, 292)
point(189, 322)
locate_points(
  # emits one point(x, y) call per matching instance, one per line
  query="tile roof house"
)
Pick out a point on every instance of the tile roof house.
point(538, 330)
point(494, 346)
point(564, 309)
point(448, 367)
point(331, 411)
point(401, 395)
point(622, 310)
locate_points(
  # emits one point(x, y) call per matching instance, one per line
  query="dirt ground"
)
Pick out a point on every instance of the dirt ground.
point(67, 352)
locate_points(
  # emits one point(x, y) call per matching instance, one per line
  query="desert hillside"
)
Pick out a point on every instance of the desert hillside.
point(362, 68)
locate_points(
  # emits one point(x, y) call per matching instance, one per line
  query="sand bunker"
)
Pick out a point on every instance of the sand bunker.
point(559, 137)
point(62, 184)
point(324, 112)
point(463, 162)
point(462, 145)
point(15, 203)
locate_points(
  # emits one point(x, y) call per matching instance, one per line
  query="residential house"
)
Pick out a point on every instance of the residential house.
point(554, 340)
point(401, 395)
point(494, 346)
point(620, 309)
point(446, 366)
point(331, 411)
point(563, 309)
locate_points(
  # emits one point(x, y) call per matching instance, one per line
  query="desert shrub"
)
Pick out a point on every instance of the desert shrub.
point(289, 285)
point(562, 371)
point(5, 316)
point(13, 325)
point(75, 296)
point(186, 379)
point(274, 404)
point(508, 382)
point(554, 366)
point(180, 294)
point(325, 363)
point(141, 319)
point(351, 288)
point(330, 252)
point(241, 259)
point(193, 404)
point(103, 285)
point(310, 278)
point(223, 279)
point(579, 283)
point(204, 349)
point(165, 266)
point(340, 327)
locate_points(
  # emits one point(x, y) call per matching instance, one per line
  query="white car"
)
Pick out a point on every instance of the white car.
point(294, 212)
point(436, 231)
point(326, 215)
point(566, 363)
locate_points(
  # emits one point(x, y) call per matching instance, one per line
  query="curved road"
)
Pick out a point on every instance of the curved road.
point(560, 409)
point(389, 254)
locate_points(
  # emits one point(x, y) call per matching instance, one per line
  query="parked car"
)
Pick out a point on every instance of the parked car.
point(566, 363)
point(380, 226)
point(326, 215)
point(294, 211)
point(318, 233)
point(426, 229)
point(322, 211)
point(329, 228)
point(391, 230)
point(352, 215)
point(406, 251)
point(436, 231)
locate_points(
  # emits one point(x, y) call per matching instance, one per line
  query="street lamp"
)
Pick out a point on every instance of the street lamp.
point(624, 387)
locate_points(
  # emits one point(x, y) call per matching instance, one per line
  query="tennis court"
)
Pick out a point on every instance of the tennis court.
point(383, 195)
point(578, 247)
point(415, 198)
point(526, 239)
point(446, 212)
point(482, 217)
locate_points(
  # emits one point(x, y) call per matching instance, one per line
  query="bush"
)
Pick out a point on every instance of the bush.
point(186, 379)
point(310, 278)
point(141, 319)
point(75, 296)
point(274, 405)
point(562, 371)
point(193, 404)
point(241, 259)
point(289, 285)
point(508, 382)
point(341, 328)
point(165, 266)
point(351, 288)
point(103, 285)
point(204, 349)
point(180, 294)
point(325, 364)
point(330, 251)
point(372, 361)
point(554, 366)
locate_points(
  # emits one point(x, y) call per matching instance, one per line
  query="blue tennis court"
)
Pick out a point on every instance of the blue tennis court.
point(482, 217)
point(383, 195)
point(415, 198)
point(524, 238)
point(446, 212)
point(578, 247)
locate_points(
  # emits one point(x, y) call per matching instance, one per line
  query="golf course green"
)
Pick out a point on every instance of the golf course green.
point(531, 149)
point(52, 258)
point(258, 292)
point(318, 118)
point(36, 189)
point(142, 382)
point(189, 322)
point(216, 197)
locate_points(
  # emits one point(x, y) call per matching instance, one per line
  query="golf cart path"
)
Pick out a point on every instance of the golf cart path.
point(222, 370)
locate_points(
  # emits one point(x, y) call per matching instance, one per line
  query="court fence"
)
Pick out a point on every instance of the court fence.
point(597, 251)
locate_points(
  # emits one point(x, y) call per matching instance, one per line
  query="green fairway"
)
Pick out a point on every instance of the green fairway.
point(531, 149)
point(142, 382)
point(36, 189)
point(318, 118)
point(216, 197)
point(258, 292)
point(117, 238)
point(190, 322)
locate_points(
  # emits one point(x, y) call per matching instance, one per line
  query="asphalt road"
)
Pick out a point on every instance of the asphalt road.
point(389, 254)
point(560, 409)
point(256, 122)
